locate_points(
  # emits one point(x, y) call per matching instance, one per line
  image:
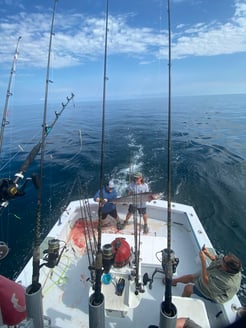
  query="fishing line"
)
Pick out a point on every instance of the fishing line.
point(15, 216)
point(80, 148)
point(21, 149)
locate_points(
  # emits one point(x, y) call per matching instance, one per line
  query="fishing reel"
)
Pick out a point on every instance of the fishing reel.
point(108, 257)
point(164, 263)
point(52, 254)
point(117, 253)
point(9, 190)
point(174, 260)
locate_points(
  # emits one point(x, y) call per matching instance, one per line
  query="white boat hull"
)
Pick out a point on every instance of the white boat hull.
point(66, 288)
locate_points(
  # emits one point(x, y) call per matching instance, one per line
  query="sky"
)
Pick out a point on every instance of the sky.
point(208, 48)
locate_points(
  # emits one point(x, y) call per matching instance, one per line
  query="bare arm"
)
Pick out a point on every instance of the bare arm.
point(204, 267)
point(212, 257)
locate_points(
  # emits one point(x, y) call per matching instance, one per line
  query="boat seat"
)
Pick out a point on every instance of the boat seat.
point(192, 308)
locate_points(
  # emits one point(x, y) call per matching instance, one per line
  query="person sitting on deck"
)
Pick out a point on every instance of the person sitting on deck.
point(106, 208)
point(218, 282)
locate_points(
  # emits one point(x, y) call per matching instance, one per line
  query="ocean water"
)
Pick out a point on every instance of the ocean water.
point(208, 163)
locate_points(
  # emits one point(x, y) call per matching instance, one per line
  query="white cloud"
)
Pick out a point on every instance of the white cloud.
point(81, 38)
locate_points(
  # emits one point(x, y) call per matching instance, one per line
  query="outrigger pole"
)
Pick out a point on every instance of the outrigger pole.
point(168, 313)
point(96, 300)
point(34, 291)
point(10, 189)
point(8, 94)
point(35, 150)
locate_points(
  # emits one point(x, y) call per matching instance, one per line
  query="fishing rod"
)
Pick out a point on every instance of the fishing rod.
point(36, 148)
point(9, 189)
point(8, 94)
point(96, 301)
point(36, 252)
point(137, 239)
point(4, 249)
point(168, 315)
point(33, 293)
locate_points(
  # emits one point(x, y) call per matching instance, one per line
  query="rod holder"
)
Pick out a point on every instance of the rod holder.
point(34, 305)
point(96, 313)
point(168, 320)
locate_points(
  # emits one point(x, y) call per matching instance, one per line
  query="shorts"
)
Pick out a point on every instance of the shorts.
point(112, 213)
point(198, 293)
point(132, 209)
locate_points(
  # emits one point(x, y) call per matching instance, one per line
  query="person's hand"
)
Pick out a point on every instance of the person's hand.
point(205, 251)
point(105, 200)
point(202, 255)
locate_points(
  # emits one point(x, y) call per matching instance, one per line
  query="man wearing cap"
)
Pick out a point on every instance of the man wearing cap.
point(106, 208)
point(218, 282)
point(138, 187)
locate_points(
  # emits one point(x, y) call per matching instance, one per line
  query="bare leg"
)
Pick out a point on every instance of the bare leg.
point(180, 322)
point(184, 279)
point(128, 216)
point(145, 218)
point(188, 290)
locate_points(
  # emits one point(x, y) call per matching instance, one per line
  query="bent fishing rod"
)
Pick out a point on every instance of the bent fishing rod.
point(8, 94)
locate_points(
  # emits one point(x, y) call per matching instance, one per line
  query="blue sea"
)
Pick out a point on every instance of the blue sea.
point(208, 163)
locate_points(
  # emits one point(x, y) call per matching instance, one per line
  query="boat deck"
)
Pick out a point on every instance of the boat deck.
point(66, 288)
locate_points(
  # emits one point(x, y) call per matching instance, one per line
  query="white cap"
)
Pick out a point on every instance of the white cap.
point(111, 184)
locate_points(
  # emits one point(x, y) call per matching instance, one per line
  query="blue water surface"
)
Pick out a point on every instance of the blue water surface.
point(208, 163)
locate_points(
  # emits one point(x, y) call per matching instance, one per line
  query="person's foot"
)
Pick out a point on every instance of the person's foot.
point(120, 225)
point(145, 228)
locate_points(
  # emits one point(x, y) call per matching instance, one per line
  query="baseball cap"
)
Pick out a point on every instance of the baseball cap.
point(111, 184)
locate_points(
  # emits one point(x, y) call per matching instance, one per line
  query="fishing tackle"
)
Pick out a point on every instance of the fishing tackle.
point(10, 189)
point(52, 254)
point(97, 297)
point(8, 94)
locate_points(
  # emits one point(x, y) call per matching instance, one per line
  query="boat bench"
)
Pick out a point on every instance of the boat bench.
point(192, 308)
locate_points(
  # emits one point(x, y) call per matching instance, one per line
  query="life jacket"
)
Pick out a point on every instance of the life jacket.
point(12, 302)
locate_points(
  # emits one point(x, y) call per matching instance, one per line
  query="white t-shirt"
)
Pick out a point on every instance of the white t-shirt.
point(138, 189)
